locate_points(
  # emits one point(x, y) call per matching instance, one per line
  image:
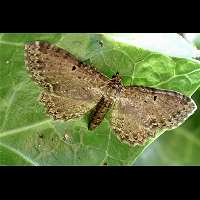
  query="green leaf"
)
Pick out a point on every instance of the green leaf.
point(29, 137)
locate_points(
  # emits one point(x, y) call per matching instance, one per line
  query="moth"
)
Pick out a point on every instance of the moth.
point(72, 88)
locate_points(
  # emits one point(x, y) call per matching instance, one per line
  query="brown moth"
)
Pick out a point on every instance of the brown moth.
point(72, 88)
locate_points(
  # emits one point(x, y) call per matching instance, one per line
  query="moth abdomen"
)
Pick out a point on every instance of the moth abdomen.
point(99, 112)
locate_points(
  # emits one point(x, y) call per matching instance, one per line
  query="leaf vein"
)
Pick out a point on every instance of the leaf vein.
point(24, 128)
point(19, 154)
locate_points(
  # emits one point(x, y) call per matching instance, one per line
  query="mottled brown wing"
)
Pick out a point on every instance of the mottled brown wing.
point(71, 88)
point(65, 108)
point(141, 111)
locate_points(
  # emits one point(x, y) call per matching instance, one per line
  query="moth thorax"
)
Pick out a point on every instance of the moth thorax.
point(113, 90)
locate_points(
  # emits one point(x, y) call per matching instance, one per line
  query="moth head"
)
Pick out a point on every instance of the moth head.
point(115, 83)
point(116, 78)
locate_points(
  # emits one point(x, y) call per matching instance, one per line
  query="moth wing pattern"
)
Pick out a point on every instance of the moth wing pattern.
point(64, 78)
point(65, 108)
point(141, 111)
